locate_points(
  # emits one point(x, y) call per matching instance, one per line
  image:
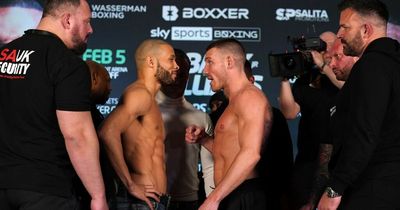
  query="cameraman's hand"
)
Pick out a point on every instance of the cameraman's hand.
point(284, 79)
point(318, 59)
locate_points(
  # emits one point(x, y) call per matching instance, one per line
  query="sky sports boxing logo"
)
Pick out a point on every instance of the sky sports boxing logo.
point(186, 33)
point(311, 15)
point(172, 13)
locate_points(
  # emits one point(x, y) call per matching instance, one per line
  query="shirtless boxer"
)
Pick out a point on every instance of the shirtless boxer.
point(133, 133)
point(239, 132)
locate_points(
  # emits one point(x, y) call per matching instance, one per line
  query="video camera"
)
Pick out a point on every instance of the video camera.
point(298, 62)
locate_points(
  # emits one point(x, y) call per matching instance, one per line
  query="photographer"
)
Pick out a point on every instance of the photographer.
point(322, 60)
point(308, 96)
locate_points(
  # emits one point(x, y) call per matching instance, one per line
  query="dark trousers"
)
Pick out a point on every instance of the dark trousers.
point(249, 195)
point(301, 183)
point(183, 205)
point(373, 194)
point(11, 199)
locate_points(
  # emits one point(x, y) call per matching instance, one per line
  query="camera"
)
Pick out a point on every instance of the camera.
point(298, 62)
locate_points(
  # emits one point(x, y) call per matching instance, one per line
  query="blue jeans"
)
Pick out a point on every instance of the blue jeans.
point(141, 206)
point(128, 202)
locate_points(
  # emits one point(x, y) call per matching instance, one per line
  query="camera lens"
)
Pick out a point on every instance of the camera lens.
point(289, 62)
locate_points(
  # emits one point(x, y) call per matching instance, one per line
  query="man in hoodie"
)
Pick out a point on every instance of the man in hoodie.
point(341, 66)
point(365, 121)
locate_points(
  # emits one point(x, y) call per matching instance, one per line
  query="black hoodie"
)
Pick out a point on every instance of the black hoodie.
point(366, 125)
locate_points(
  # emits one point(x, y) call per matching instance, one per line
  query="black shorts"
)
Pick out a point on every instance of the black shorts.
point(249, 195)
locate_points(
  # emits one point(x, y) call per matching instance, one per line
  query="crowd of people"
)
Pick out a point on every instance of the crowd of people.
point(57, 151)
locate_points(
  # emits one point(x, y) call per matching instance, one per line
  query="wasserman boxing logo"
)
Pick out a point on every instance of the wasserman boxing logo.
point(171, 13)
point(14, 64)
point(317, 15)
point(100, 11)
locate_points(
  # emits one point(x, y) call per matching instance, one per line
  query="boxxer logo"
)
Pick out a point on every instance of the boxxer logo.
point(170, 12)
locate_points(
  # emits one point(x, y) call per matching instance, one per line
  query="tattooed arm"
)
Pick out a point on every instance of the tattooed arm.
point(321, 176)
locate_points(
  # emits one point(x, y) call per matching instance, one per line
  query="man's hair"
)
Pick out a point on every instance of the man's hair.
point(148, 47)
point(231, 45)
point(29, 4)
point(51, 6)
point(180, 54)
point(366, 8)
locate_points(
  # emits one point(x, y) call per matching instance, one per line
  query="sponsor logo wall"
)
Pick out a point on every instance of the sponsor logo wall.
point(191, 26)
point(263, 27)
point(119, 28)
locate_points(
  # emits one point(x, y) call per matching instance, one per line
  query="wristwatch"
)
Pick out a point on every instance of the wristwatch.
point(331, 193)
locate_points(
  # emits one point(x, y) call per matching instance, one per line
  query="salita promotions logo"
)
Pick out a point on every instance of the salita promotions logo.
point(314, 15)
point(14, 64)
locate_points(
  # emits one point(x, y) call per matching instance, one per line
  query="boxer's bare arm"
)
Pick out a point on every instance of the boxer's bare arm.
point(136, 101)
point(252, 124)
